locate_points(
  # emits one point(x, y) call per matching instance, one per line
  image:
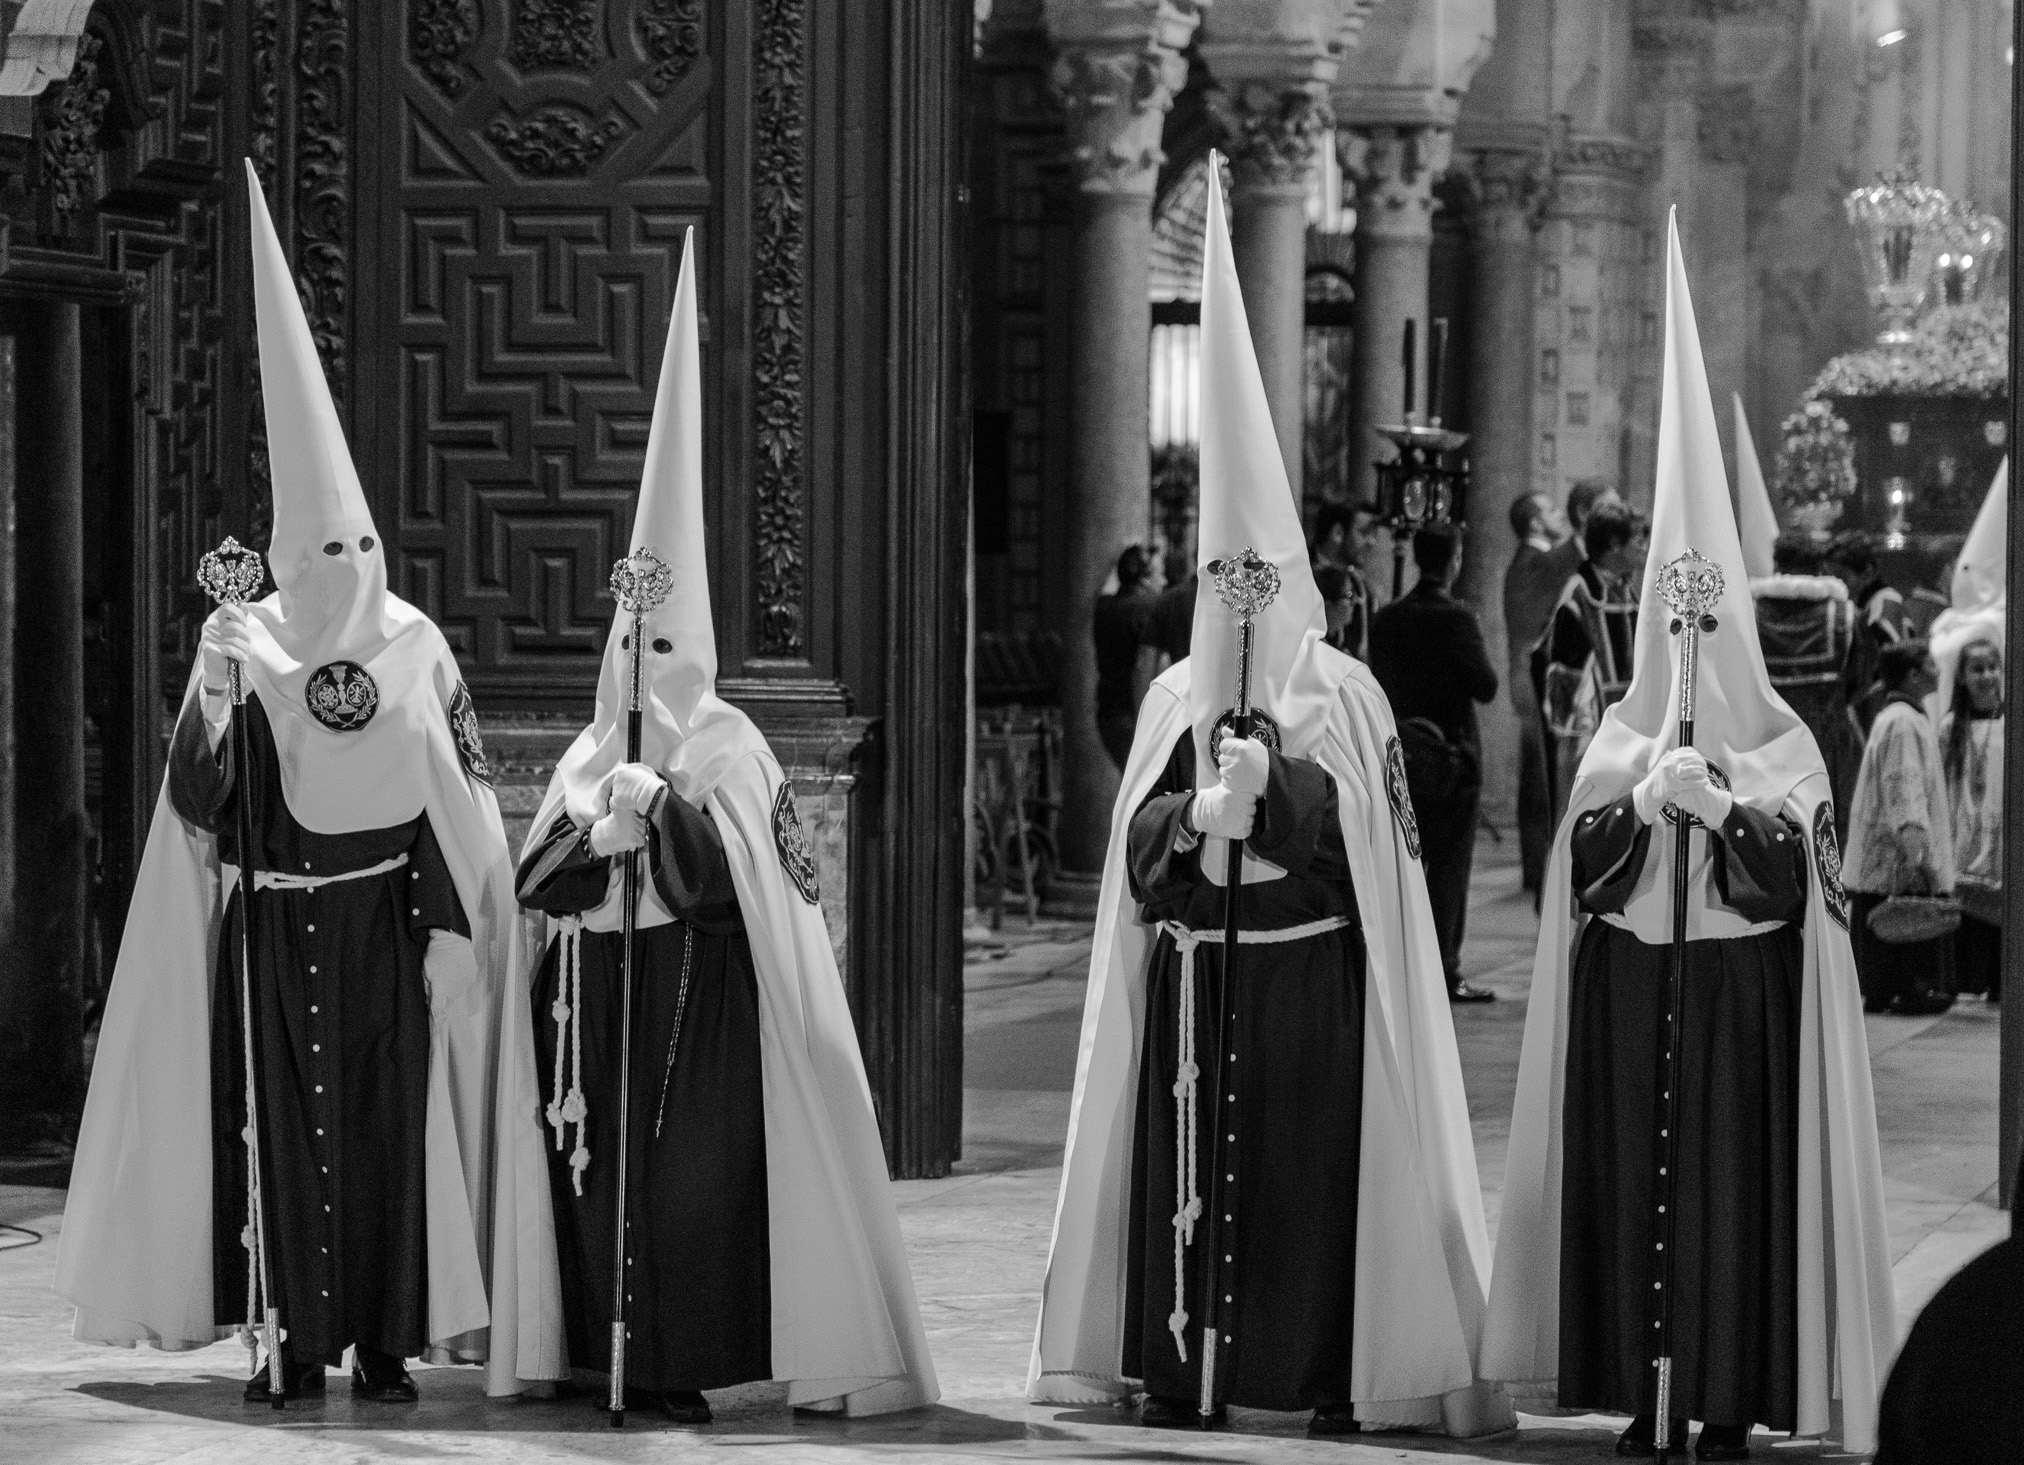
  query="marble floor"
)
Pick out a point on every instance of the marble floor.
point(978, 1240)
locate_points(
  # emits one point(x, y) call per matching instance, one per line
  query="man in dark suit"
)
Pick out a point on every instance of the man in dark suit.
point(1539, 570)
point(1426, 651)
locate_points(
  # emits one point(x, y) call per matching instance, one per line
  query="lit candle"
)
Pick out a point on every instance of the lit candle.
point(1437, 356)
point(1409, 354)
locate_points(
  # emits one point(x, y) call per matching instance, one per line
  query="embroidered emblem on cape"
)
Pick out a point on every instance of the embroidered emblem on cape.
point(1827, 858)
point(1263, 728)
point(342, 696)
point(464, 728)
point(797, 856)
point(1401, 797)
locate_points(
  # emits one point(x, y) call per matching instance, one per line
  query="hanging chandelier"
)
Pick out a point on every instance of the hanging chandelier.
point(1899, 222)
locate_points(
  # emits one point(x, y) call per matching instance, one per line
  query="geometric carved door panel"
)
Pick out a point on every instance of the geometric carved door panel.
point(528, 173)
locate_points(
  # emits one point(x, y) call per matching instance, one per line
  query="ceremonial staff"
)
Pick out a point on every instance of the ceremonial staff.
point(1691, 587)
point(1246, 584)
point(639, 582)
point(231, 575)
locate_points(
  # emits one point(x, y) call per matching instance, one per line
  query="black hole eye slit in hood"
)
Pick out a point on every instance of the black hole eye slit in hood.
point(336, 546)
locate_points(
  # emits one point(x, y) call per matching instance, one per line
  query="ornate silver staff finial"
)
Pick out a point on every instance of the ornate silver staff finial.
point(641, 581)
point(1245, 582)
point(231, 573)
point(1691, 586)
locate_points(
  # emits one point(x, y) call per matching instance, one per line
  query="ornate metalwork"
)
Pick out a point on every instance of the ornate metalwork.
point(438, 35)
point(671, 33)
point(555, 33)
point(779, 208)
point(70, 132)
point(323, 202)
point(553, 142)
point(1245, 582)
point(231, 574)
point(641, 581)
point(1691, 587)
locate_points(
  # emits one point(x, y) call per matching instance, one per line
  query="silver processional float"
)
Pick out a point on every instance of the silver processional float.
point(1691, 587)
point(1246, 583)
point(231, 574)
point(639, 583)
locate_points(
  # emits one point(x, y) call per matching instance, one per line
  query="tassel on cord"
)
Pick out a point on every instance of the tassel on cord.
point(570, 1108)
point(1188, 1197)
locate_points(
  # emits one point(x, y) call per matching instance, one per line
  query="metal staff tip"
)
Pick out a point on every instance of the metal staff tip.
point(1691, 586)
point(1245, 582)
point(231, 573)
point(641, 581)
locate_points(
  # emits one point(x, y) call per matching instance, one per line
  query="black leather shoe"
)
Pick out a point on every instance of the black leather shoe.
point(1335, 1419)
point(1163, 1412)
point(1723, 1442)
point(381, 1378)
point(1636, 1442)
point(685, 1406)
point(297, 1380)
point(1463, 992)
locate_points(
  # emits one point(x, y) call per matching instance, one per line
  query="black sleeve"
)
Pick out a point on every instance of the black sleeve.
point(433, 904)
point(201, 782)
point(1161, 877)
point(1569, 644)
point(1609, 846)
point(560, 875)
point(686, 855)
point(1472, 659)
point(1760, 865)
point(1296, 814)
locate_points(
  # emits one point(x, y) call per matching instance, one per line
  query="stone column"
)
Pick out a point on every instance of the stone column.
point(1273, 138)
point(1116, 101)
point(1504, 190)
point(41, 1005)
point(1394, 170)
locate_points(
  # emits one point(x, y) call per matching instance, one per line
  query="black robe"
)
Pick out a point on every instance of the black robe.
point(1736, 1301)
point(700, 1314)
point(1296, 1023)
point(342, 1037)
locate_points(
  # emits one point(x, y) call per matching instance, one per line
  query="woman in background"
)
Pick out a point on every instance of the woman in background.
point(1971, 753)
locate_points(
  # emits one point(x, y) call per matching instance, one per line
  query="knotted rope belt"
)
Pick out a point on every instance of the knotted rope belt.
point(282, 880)
point(1188, 1198)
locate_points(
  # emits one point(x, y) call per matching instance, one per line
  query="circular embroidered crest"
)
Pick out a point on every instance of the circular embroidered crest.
point(1263, 728)
point(1827, 859)
point(1401, 796)
point(797, 856)
point(342, 696)
point(464, 728)
point(1717, 776)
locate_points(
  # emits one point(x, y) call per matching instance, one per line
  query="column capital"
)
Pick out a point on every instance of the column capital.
point(1273, 133)
point(1394, 170)
point(1119, 68)
point(1505, 189)
point(1597, 177)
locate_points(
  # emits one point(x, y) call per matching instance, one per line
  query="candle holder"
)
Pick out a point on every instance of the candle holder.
point(1899, 222)
point(1426, 482)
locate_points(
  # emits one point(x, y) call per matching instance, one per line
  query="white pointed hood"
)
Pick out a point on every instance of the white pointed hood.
point(686, 730)
point(1247, 502)
point(1740, 722)
point(331, 603)
point(1980, 589)
point(1756, 522)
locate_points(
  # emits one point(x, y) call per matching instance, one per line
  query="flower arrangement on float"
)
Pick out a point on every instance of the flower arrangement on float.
point(1955, 351)
point(1816, 465)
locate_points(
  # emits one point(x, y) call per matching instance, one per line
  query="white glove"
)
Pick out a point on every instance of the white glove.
point(1224, 813)
point(1705, 801)
point(226, 639)
point(1245, 764)
point(634, 788)
point(616, 833)
point(450, 969)
point(1662, 786)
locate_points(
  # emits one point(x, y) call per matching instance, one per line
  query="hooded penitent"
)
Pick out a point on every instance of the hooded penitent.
point(1845, 1326)
point(372, 727)
point(1980, 591)
point(846, 1329)
point(1421, 1246)
point(1756, 523)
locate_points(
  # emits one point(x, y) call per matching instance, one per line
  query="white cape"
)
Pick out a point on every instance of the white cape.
point(1847, 1310)
point(1422, 1250)
point(847, 1334)
point(136, 1252)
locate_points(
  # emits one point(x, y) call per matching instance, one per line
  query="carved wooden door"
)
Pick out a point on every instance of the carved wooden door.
point(528, 170)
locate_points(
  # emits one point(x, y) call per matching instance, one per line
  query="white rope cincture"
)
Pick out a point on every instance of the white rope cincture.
point(1187, 1084)
point(569, 1108)
point(675, 1038)
point(282, 880)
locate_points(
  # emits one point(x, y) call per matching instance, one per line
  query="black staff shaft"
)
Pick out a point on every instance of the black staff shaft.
point(621, 1261)
point(256, 1189)
point(1225, 994)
